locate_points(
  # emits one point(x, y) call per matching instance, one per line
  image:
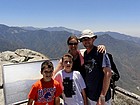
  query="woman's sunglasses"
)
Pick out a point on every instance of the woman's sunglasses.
point(73, 44)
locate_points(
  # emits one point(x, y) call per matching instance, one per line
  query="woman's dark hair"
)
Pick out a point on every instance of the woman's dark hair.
point(72, 37)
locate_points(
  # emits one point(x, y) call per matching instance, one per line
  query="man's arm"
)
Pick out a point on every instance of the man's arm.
point(106, 84)
point(106, 80)
point(101, 48)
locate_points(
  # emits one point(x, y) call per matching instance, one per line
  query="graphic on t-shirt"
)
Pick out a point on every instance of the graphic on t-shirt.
point(68, 87)
point(46, 94)
point(90, 65)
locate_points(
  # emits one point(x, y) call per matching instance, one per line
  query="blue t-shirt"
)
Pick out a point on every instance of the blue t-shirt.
point(94, 63)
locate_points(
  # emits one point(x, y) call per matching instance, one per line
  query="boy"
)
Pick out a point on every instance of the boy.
point(71, 82)
point(45, 91)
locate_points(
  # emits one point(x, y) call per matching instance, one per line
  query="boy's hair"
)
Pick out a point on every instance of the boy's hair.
point(47, 63)
point(67, 55)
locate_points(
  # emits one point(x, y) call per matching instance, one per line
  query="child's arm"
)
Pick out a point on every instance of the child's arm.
point(84, 97)
point(30, 101)
point(57, 101)
point(58, 67)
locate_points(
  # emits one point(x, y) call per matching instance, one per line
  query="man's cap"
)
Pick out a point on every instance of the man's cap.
point(87, 34)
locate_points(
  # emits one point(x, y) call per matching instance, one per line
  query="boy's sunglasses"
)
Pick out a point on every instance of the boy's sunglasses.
point(47, 72)
point(72, 43)
point(66, 62)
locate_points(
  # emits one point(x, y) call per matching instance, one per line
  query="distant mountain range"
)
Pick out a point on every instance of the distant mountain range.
point(54, 29)
point(52, 43)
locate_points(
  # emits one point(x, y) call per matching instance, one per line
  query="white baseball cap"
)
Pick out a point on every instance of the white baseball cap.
point(87, 34)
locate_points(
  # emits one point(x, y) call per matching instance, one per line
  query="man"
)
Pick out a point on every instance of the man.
point(98, 72)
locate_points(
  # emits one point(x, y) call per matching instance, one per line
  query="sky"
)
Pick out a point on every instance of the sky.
point(121, 16)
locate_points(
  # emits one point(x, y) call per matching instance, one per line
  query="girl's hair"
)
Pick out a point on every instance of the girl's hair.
point(47, 63)
point(67, 55)
point(72, 37)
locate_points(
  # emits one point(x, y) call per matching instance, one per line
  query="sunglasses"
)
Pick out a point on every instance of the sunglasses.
point(72, 43)
point(48, 72)
point(66, 62)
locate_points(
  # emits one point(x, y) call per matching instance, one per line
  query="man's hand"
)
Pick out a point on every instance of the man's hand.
point(101, 101)
point(101, 48)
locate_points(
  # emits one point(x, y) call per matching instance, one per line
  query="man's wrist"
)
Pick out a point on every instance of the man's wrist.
point(102, 97)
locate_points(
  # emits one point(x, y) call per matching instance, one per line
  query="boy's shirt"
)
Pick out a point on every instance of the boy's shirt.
point(44, 92)
point(72, 84)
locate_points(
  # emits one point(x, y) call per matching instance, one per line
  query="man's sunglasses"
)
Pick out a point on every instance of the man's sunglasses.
point(72, 43)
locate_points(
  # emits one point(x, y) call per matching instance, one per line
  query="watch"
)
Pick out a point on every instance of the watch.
point(102, 97)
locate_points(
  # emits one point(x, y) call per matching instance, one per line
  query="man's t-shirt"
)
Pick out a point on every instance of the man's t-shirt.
point(94, 63)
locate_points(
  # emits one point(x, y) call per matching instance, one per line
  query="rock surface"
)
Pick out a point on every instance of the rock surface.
point(18, 56)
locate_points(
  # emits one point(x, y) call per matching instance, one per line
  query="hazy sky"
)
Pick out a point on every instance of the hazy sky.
point(99, 15)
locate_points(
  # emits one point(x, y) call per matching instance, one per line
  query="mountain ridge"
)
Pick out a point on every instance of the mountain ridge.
point(126, 52)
